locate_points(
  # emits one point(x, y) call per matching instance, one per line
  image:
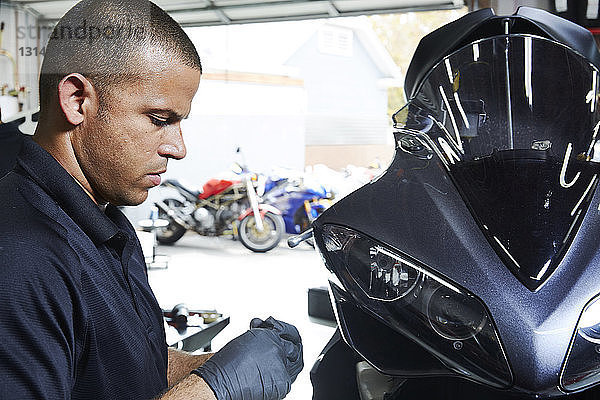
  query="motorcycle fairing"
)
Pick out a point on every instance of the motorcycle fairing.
point(418, 207)
point(415, 208)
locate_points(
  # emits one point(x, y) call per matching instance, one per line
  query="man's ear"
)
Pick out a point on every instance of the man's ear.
point(76, 97)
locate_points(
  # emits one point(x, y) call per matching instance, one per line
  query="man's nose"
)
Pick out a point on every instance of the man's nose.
point(173, 145)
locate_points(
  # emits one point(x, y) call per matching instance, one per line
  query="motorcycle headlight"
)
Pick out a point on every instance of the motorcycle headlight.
point(582, 364)
point(398, 291)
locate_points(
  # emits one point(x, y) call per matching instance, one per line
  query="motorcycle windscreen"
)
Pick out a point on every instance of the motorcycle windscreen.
point(515, 120)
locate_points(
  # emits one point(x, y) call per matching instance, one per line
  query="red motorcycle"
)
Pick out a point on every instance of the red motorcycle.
point(222, 208)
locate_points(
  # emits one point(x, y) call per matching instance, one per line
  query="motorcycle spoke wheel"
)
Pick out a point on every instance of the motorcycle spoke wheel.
point(255, 240)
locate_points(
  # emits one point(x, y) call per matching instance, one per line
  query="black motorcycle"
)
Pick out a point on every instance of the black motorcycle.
point(471, 268)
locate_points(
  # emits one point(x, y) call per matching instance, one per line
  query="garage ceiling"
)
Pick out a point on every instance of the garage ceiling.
point(220, 12)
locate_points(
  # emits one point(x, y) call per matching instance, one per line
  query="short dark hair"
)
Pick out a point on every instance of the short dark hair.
point(104, 39)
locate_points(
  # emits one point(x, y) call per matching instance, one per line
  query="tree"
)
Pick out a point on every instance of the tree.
point(401, 33)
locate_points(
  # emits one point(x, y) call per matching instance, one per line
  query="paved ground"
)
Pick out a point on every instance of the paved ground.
point(222, 274)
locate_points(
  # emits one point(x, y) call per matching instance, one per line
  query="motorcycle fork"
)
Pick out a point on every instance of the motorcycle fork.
point(253, 197)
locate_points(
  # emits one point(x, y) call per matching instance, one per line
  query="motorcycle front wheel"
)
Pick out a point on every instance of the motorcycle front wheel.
point(258, 241)
point(172, 232)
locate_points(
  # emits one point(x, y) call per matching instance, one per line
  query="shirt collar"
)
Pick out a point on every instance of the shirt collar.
point(11, 128)
point(61, 186)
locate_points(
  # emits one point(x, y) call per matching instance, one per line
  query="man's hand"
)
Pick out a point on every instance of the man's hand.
point(261, 364)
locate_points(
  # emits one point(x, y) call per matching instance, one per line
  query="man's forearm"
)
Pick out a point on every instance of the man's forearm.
point(191, 388)
point(182, 363)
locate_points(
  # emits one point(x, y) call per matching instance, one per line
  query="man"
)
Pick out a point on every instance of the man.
point(79, 320)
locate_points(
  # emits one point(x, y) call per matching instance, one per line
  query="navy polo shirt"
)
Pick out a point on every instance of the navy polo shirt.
point(78, 319)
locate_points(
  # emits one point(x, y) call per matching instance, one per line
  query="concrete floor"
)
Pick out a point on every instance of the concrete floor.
point(221, 274)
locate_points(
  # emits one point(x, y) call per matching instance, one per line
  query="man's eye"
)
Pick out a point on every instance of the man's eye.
point(157, 121)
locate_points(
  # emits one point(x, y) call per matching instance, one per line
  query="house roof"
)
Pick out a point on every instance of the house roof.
point(372, 45)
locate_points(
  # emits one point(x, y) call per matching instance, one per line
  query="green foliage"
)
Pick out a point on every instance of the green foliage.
point(396, 99)
point(401, 33)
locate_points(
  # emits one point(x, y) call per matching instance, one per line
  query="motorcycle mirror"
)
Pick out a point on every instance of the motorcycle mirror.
point(244, 164)
point(237, 168)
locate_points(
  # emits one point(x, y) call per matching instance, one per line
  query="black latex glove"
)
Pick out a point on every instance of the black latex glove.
point(261, 364)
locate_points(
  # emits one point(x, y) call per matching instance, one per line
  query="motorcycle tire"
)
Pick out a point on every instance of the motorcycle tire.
point(172, 232)
point(261, 242)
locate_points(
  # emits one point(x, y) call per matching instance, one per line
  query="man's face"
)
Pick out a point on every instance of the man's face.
point(124, 148)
